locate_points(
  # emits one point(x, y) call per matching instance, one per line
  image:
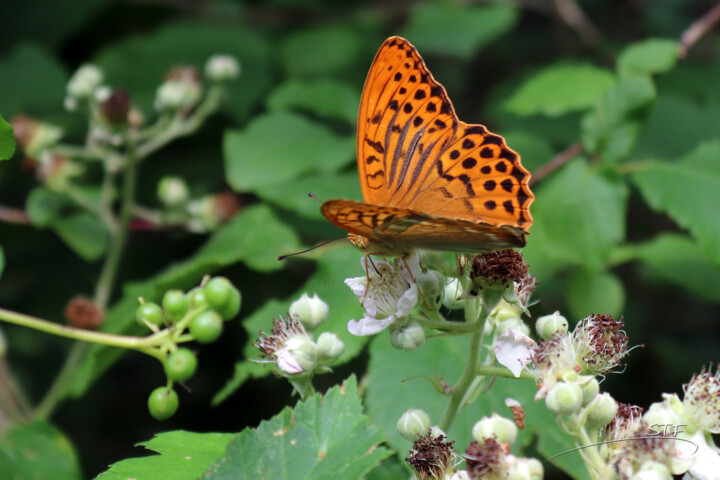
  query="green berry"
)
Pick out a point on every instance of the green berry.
point(150, 312)
point(217, 292)
point(232, 306)
point(196, 298)
point(175, 305)
point(162, 403)
point(206, 327)
point(180, 365)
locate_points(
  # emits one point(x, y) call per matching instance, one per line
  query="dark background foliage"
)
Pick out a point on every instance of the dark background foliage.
point(484, 54)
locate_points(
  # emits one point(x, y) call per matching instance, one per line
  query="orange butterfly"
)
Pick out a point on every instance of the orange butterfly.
point(428, 180)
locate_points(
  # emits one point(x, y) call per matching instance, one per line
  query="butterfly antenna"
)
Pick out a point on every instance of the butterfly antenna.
point(283, 257)
point(312, 195)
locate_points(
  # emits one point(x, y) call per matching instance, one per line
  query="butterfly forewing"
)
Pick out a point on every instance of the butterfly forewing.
point(428, 179)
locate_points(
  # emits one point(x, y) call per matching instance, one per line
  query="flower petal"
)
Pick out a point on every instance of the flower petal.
point(287, 362)
point(369, 326)
point(514, 350)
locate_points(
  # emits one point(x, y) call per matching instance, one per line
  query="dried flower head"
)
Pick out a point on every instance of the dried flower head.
point(601, 343)
point(500, 266)
point(289, 346)
point(115, 107)
point(486, 459)
point(432, 457)
point(82, 312)
point(701, 402)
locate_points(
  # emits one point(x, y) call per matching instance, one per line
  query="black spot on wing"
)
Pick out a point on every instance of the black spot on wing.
point(408, 108)
point(490, 185)
point(475, 130)
point(493, 139)
point(398, 76)
point(454, 154)
point(420, 94)
point(501, 167)
point(508, 206)
point(469, 163)
point(468, 144)
point(490, 205)
point(507, 185)
point(430, 107)
point(377, 146)
point(418, 121)
point(508, 155)
point(393, 105)
point(486, 169)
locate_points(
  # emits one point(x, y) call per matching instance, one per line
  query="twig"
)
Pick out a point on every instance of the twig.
point(698, 29)
point(570, 12)
point(13, 215)
point(558, 161)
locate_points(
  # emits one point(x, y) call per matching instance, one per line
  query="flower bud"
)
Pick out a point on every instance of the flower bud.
point(213, 210)
point(221, 68)
point(84, 81)
point(413, 423)
point(311, 312)
point(520, 468)
point(503, 429)
point(298, 358)
point(115, 107)
point(601, 410)
point(329, 348)
point(172, 191)
point(431, 283)
point(564, 398)
point(461, 475)
point(652, 470)
point(452, 295)
point(34, 137)
point(408, 337)
point(660, 414)
point(547, 325)
point(436, 432)
point(590, 389)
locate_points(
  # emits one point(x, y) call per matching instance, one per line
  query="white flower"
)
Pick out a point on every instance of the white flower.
point(706, 463)
point(514, 350)
point(387, 292)
point(84, 81)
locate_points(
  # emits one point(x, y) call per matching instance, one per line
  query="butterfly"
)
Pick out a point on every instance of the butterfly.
point(429, 180)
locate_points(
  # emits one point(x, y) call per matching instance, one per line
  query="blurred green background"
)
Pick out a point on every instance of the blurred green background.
point(606, 240)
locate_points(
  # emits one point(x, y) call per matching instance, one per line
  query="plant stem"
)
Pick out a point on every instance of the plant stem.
point(112, 261)
point(104, 286)
point(502, 372)
point(466, 380)
point(109, 339)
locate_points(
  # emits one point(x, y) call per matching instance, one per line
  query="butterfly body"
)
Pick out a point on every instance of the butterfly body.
point(428, 179)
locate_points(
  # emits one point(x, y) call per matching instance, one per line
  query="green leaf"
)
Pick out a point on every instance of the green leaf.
point(535, 150)
point(182, 456)
point(30, 79)
point(84, 233)
point(590, 292)
point(44, 207)
point(334, 266)
point(391, 468)
point(320, 51)
point(37, 450)
point(2, 260)
point(7, 140)
point(396, 381)
point(254, 236)
point(688, 191)
point(579, 217)
point(678, 260)
point(279, 147)
point(323, 97)
point(139, 63)
point(559, 89)
point(675, 126)
point(654, 55)
point(611, 128)
point(322, 438)
point(294, 195)
point(456, 28)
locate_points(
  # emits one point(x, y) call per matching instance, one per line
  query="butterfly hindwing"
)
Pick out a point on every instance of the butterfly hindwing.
point(403, 230)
